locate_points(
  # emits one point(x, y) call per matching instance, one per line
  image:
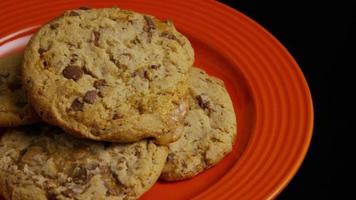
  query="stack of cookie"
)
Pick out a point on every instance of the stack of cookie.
point(124, 104)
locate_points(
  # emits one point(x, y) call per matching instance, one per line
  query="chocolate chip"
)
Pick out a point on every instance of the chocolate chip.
point(96, 38)
point(96, 130)
point(137, 153)
point(150, 25)
point(147, 75)
point(41, 51)
point(14, 86)
point(155, 66)
point(117, 116)
point(77, 105)
point(90, 96)
point(73, 72)
point(202, 101)
point(111, 182)
point(170, 156)
point(81, 175)
point(98, 84)
point(73, 13)
point(168, 35)
point(101, 95)
point(84, 8)
point(141, 109)
point(54, 26)
point(171, 36)
point(45, 64)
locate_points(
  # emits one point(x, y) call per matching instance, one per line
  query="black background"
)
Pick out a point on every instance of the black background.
point(319, 37)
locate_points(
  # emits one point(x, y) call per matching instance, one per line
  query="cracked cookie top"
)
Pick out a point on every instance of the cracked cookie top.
point(42, 162)
point(108, 74)
point(14, 108)
point(209, 129)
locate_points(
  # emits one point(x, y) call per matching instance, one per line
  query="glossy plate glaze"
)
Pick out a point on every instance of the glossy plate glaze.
point(270, 95)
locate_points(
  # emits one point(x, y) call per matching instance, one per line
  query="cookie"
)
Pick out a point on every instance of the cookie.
point(14, 108)
point(108, 74)
point(209, 129)
point(43, 162)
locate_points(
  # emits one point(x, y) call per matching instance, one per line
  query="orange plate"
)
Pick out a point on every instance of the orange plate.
point(270, 95)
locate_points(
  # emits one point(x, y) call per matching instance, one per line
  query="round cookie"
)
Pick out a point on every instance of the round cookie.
point(14, 109)
point(108, 74)
point(209, 129)
point(42, 162)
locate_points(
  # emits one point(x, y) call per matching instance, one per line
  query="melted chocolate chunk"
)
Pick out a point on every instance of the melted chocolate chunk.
point(90, 96)
point(150, 24)
point(73, 72)
point(202, 101)
point(54, 26)
point(117, 116)
point(77, 105)
point(98, 84)
point(155, 66)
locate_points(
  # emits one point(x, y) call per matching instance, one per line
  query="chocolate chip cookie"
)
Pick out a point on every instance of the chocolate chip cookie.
point(14, 108)
point(108, 74)
point(209, 129)
point(42, 162)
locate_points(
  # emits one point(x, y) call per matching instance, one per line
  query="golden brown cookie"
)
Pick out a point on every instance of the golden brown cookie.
point(14, 108)
point(209, 129)
point(42, 162)
point(108, 74)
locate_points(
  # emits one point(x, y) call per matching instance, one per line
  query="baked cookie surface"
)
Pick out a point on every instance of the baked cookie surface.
point(14, 108)
point(42, 162)
point(209, 129)
point(108, 74)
